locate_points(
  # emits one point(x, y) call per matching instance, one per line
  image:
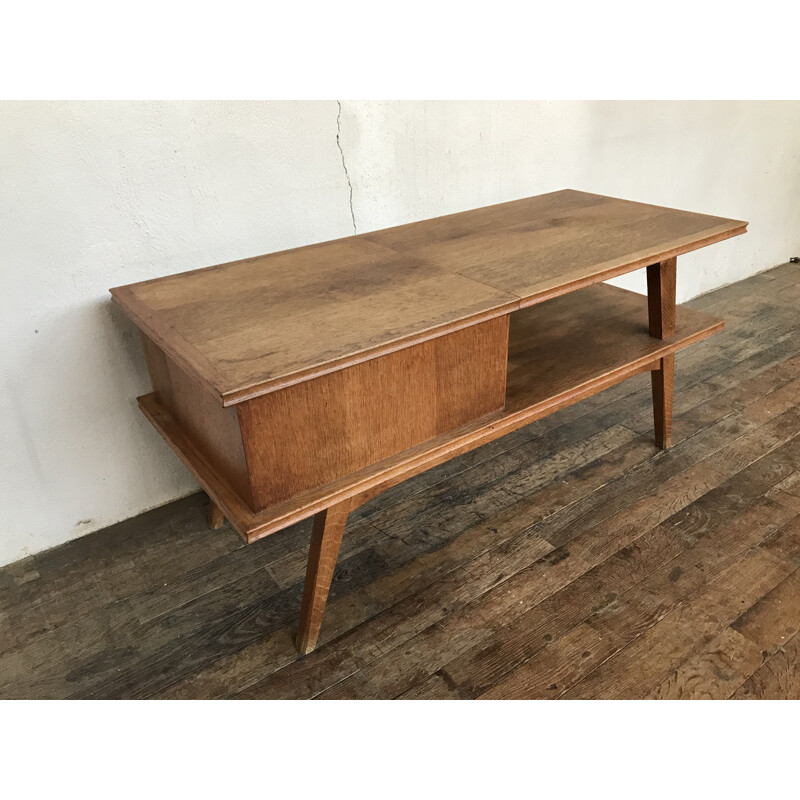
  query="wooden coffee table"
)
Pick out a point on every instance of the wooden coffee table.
point(306, 382)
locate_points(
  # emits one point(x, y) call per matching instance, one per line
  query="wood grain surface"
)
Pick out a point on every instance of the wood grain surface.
point(216, 519)
point(310, 434)
point(326, 538)
point(257, 325)
point(213, 430)
point(661, 287)
point(662, 383)
point(568, 558)
point(560, 352)
point(661, 309)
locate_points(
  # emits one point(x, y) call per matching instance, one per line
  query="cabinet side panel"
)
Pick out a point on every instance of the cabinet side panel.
point(314, 432)
point(212, 428)
point(471, 367)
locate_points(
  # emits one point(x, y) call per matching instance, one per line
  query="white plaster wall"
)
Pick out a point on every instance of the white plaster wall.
point(96, 195)
point(410, 161)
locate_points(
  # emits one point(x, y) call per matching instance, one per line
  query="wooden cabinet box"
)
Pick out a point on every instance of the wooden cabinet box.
point(306, 435)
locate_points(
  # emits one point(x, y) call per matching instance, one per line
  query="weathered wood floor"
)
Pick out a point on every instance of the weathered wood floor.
point(570, 559)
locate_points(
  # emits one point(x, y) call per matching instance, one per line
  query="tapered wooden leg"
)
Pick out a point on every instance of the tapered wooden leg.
point(661, 283)
point(663, 380)
point(216, 519)
point(326, 536)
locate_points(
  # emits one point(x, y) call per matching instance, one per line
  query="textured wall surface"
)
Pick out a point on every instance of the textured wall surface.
point(96, 195)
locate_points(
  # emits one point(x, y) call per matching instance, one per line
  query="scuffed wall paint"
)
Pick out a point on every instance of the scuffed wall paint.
point(101, 194)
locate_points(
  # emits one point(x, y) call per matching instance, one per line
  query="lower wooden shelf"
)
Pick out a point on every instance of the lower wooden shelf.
point(559, 352)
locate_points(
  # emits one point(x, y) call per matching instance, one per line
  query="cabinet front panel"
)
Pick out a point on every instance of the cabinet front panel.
point(314, 432)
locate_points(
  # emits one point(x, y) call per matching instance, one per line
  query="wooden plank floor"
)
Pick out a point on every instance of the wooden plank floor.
point(570, 559)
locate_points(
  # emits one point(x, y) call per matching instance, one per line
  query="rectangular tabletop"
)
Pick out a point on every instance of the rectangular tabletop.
point(254, 326)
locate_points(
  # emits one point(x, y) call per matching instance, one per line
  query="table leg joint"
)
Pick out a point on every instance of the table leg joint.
point(661, 291)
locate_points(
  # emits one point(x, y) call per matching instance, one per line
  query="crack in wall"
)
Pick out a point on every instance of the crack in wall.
point(344, 163)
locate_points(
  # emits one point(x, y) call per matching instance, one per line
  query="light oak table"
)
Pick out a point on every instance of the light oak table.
point(306, 382)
